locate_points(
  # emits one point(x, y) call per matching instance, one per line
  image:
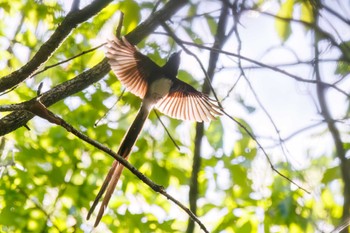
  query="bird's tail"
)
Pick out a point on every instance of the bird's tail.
point(114, 173)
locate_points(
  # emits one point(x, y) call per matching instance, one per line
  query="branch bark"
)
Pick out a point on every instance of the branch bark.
point(196, 166)
point(339, 145)
point(17, 119)
point(70, 22)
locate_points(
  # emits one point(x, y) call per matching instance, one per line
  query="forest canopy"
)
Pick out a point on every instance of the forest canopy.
point(275, 161)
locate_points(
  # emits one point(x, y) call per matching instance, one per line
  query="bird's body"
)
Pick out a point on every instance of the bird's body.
point(158, 87)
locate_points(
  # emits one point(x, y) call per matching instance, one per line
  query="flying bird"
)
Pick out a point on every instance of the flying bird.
point(159, 88)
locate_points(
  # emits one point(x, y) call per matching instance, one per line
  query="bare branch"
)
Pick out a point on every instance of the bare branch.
point(335, 13)
point(180, 42)
point(297, 78)
point(67, 60)
point(264, 152)
point(166, 130)
point(339, 145)
point(197, 160)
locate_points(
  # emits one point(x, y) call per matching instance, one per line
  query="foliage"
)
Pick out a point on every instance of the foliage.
point(49, 177)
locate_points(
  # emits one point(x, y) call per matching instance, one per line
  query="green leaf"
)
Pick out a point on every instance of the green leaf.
point(132, 18)
point(249, 108)
point(343, 68)
point(283, 26)
point(331, 174)
point(343, 64)
point(307, 13)
point(211, 24)
point(215, 134)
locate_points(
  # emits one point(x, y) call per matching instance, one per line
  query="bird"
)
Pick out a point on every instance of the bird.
point(158, 87)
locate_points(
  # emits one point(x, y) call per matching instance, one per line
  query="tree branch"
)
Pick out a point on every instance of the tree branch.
point(340, 150)
point(196, 166)
point(15, 120)
point(71, 21)
point(296, 77)
point(36, 107)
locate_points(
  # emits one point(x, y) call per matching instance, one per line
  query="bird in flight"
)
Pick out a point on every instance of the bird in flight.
point(159, 88)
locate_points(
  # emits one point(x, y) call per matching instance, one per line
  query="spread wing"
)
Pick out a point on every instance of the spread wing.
point(186, 103)
point(131, 67)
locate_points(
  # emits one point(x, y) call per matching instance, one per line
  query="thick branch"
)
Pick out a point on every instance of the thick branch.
point(63, 30)
point(15, 120)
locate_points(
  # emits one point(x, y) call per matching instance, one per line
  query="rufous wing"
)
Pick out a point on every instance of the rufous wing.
point(131, 67)
point(186, 103)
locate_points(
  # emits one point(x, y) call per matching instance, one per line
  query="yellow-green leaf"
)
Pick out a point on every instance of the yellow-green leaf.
point(307, 14)
point(282, 23)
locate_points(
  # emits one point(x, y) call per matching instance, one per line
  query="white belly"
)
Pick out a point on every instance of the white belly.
point(159, 88)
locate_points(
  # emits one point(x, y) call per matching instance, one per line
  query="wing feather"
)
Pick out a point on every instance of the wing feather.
point(131, 67)
point(186, 103)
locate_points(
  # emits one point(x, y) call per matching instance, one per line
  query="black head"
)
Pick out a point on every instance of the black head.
point(172, 65)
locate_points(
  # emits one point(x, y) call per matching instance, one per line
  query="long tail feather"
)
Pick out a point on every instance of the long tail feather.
point(103, 188)
point(116, 175)
point(124, 150)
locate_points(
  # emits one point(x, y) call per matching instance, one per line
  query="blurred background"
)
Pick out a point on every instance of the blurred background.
point(277, 162)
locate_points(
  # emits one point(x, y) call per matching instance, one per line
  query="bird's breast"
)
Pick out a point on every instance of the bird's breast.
point(159, 88)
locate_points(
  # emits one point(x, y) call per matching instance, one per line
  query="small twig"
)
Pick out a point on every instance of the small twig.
point(120, 25)
point(302, 130)
point(297, 78)
point(187, 210)
point(166, 130)
point(264, 152)
point(38, 92)
point(109, 109)
point(179, 42)
point(335, 13)
point(231, 89)
point(38, 206)
point(67, 60)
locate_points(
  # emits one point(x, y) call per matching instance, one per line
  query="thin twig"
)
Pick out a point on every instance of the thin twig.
point(297, 78)
point(179, 42)
point(264, 152)
point(39, 207)
point(67, 60)
point(109, 109)
point(326, 114)
point(120, 25)
point(166, 130)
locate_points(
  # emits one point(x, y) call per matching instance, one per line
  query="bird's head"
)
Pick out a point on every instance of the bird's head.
point(172, 66)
